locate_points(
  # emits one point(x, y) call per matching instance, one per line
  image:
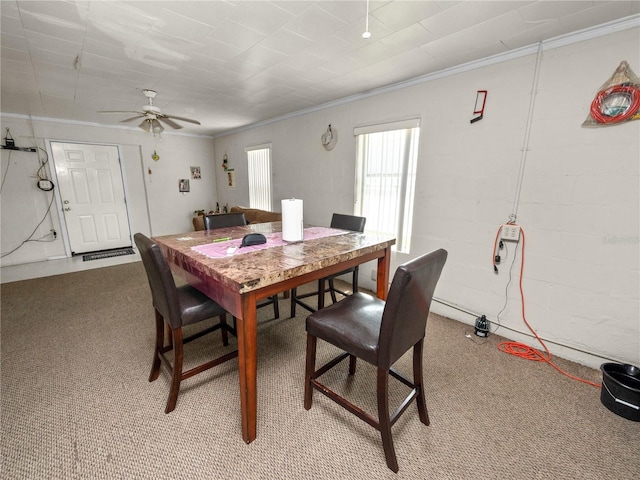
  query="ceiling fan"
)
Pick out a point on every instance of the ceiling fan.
point(152, 116)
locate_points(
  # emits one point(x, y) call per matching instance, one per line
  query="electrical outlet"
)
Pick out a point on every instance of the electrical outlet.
point(374, 275)
point(510, 232)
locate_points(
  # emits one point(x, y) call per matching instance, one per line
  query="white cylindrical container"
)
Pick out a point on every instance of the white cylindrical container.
point(292, 224)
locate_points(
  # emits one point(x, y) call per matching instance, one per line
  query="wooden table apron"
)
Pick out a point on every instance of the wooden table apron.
point(240, 299)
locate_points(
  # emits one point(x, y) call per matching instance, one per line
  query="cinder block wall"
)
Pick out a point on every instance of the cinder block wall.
point(578, 201)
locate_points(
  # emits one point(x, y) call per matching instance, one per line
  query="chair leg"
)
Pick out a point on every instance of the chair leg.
point(178, 355)
point(309, 370)
point(352, 364)
point(332, 291)
point(354, 280)
point(321, 293)
point(384, 421)
point(276, 306)
point(223, 330)
point(169, 337)
point(294, 293)
point(155, 365)
point(419, 383)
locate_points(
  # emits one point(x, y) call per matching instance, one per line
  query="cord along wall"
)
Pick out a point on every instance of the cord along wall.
point(28, 227)
point(578, 210)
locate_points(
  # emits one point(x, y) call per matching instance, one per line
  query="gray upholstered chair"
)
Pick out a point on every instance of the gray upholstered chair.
point(379, 333)
point(177, 307)
point(344, 222)
point(224, 220)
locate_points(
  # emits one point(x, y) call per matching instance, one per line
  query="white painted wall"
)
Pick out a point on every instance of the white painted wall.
point(579, 203)
point(155, 204)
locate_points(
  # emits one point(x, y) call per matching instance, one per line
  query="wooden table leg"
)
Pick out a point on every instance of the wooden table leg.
point(382, 277)
point(247, 365)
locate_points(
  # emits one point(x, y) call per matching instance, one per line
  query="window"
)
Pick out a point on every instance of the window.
point(385, 178)
point(259, 170)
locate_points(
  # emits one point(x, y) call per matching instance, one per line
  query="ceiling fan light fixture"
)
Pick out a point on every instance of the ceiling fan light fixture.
point(151, 114)
point(155, 125)
point(145, 125)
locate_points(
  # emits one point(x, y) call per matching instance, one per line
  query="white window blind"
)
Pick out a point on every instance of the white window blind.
point(259, 172)
point(385, 178)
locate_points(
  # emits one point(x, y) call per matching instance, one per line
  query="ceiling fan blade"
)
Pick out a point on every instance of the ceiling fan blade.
point(129, 119)
point(121, 111)
point(171, 123)
point(182, 118)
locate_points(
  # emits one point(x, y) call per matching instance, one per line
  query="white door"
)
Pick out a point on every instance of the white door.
point(92, 195)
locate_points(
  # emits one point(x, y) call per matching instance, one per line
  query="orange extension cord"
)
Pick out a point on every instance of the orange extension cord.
point(520, 349)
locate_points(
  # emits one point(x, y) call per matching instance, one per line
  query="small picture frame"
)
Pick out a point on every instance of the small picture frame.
point(231, 178)
point(195, 173)
point(183, 185)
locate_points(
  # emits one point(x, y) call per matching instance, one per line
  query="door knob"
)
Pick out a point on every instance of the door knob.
point(66, 202)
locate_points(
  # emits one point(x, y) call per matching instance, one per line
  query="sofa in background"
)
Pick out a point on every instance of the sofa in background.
point(252, 215)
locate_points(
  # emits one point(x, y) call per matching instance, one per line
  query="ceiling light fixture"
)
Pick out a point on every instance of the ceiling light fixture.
point(151, 125)
point(367, 33)
point(156, 127)
point(145, 125)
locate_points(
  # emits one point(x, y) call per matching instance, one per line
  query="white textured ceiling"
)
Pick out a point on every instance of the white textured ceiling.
point(233, 63)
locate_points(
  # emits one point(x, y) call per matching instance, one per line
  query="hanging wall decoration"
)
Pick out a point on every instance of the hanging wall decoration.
point(231, 178)
point(329, 138)
point(478, 110)
point(225, 162)
point(617, 101)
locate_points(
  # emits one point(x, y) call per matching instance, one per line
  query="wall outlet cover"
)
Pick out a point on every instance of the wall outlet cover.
point(510, 232)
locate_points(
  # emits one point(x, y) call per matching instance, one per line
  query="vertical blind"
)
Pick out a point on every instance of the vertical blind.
point(259, 172)
point(385, 178)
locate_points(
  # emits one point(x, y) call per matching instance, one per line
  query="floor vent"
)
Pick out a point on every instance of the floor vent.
point(107, 254)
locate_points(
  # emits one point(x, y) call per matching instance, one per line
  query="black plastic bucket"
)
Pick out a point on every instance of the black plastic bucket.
point(621, 389)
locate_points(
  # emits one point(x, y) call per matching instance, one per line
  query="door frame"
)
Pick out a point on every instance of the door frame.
point(54, 176)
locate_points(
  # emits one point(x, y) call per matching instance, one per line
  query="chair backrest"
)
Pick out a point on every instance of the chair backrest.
point(224, 220)
point(404, 319)
point(348, 222)
point(161, 282)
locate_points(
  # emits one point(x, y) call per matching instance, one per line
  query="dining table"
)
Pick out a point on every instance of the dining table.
point(236, 277)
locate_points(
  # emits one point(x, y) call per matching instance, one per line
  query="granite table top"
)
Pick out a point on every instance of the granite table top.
point(252, 270)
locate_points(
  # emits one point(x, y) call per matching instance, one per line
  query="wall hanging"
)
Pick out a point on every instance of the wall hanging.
point(231, 178)
point(478, 110)
point(617, 101)
point(329, 138)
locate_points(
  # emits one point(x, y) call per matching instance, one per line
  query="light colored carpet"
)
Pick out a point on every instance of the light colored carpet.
point(76, 403)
